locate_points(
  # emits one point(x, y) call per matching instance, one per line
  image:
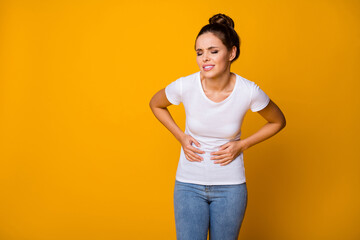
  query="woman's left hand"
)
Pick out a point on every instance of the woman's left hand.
point(228, 152)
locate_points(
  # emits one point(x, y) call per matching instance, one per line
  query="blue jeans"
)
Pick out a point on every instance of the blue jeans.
point(217, 208)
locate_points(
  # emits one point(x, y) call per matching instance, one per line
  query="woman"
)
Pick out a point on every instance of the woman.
point(210, 187)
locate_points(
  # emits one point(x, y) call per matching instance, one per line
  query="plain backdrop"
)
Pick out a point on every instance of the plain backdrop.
point(82, 157)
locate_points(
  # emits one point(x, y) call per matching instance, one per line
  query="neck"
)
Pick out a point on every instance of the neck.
point(219, 83)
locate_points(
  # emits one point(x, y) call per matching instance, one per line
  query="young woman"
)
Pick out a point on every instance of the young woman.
point(210, 190)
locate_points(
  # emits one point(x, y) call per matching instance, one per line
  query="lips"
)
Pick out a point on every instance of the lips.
point(208, 67)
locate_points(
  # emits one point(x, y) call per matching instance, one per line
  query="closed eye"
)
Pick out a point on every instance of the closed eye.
point(213, 52)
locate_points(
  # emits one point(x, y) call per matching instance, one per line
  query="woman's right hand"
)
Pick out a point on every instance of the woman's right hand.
point(189, 150)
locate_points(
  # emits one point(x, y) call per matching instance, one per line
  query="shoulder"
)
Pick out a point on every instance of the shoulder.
point(188, 80)
point(245, 83)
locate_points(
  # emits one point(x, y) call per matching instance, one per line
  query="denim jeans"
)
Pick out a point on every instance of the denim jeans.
point(217, 208)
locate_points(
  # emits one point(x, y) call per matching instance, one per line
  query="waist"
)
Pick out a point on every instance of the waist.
point(210, 147)
point(207, 161)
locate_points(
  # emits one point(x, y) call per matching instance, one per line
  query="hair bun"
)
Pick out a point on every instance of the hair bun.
point(222, 19)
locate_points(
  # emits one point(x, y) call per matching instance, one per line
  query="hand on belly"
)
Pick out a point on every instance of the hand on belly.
point(189, 150)
point(228, 152)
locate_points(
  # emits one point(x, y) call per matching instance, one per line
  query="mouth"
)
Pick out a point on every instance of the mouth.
point(208, 67)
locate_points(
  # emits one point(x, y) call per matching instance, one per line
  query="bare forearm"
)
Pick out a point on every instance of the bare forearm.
point(164, 116)
point(267, 131)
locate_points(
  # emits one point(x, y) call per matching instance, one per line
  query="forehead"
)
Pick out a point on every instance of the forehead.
point(208, 39)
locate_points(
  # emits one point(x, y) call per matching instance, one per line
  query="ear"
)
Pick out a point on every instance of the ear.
point(233, 53)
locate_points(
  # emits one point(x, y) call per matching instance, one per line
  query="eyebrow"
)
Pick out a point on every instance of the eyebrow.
point(199, 49)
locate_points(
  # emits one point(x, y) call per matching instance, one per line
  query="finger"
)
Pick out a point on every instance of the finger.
point(223, 161)
point(226, 163)
point(222, 147)
point(194, 156)
point(196, 142)
point(195, 149)
point(190, 158)
point(219, 157)
point(219, 152)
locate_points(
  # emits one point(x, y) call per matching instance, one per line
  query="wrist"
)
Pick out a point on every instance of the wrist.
point(244, 144)
point(180, 136)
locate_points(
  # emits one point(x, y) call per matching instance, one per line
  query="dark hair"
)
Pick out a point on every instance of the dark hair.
point(223, 27)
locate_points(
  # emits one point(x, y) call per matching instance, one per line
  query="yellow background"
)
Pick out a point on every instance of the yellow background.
point(83, 157)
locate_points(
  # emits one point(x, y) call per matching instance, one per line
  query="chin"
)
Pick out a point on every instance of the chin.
point(210, 74)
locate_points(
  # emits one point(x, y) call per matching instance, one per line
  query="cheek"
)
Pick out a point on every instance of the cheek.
point(223, 59)
point(198, 61)
point(219, 60)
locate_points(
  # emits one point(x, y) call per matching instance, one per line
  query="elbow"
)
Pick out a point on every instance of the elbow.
point(280, 124)
point(151, 103)
point(283, 123)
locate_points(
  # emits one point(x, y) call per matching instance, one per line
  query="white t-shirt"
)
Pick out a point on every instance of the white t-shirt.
point(213, 124)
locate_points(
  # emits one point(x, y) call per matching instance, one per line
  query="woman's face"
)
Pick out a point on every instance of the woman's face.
point(213, 58)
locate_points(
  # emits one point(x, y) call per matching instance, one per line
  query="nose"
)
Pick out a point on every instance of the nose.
point(205, 57)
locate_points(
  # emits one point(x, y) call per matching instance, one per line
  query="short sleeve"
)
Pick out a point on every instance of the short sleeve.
point(259, 99)
point(173, 91)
